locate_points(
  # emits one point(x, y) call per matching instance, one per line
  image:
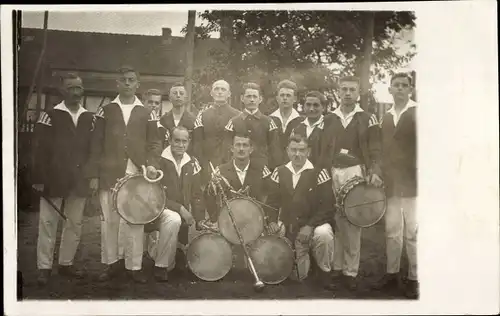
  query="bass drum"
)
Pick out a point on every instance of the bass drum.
point(248, 217)
point(209, 256)
point(273, 258)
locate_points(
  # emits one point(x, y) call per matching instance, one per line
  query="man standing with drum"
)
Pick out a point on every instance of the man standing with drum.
point(261, 129)
point(209, 132)
point(304, 196)
point(350, 148)
point(182, 182)
point(399, 166)
point(62, 148)
point(124, 139)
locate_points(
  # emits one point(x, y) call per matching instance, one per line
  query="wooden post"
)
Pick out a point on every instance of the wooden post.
point(369, 21)
point(188, 75)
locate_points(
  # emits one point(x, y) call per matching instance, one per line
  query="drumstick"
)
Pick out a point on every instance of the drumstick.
point(59, 211)
point(254, 200)
point(366, 203)
point(259, 285)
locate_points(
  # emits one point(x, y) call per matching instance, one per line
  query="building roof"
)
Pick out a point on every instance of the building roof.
point(105, 53)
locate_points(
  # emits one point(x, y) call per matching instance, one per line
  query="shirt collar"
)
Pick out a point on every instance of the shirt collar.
point(167, 154)
point(318, 122)
point(339, 113)
point(410, 104)
point(306, 166)
point(238, 169)
point(256, 113)
point(137, 102)
point(62, 106)
point(293, 115)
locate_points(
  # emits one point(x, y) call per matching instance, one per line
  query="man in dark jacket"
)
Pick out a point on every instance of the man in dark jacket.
point(399, 166)
point(125, 138)
point(261, 129)
point(62, 149)
point(305, 198)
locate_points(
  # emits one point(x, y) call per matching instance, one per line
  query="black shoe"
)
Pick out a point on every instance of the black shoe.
point(350, 282)
point(388, 281)
point(112, 270)
point(137, 276)
point(161, 274)
point(336, 274)
point(411, 290)
point(70, 271)
point(325, 280)
point(43, 276)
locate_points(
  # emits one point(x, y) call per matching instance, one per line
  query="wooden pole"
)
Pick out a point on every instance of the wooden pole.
point(367, 58)
point(188, 75)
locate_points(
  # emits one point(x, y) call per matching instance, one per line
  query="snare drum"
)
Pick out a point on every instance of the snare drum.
point(273, 258)
point(209, 256)
point(248, 217)
point(137, 200)
point(361, 203)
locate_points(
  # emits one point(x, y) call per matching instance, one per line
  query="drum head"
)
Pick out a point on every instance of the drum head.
point(364, 205)
point(209, 256)
point(138, 201)
point(248, 217)
point(273, 258)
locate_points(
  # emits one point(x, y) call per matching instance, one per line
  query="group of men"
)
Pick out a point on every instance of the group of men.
point(288, 161)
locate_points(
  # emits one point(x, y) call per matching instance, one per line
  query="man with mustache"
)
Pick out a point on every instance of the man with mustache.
point(286, 117)
point(350, 147)
point(262, 130)
point(124, 139)
point(303, 195)
point(312, 126)
point(62, 142)
point(209, 129)
point(178, 116)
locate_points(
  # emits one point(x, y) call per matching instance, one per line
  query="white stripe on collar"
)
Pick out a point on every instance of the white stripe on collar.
point(75, 116)
point(136, 101)
point(308, 165)
point(292, 116)
point(167, 154)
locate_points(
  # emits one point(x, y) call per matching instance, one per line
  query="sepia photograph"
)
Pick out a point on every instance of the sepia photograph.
point(216, 154)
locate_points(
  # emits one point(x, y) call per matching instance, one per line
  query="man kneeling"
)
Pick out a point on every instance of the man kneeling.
point(306, 201)
point(182, 182)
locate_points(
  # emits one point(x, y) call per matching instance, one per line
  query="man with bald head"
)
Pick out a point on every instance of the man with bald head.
point(209, 129)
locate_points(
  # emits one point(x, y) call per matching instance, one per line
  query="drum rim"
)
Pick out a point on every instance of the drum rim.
point(237, 242)
point(274, 237)
point(114, 196)
point(378, 218)
point(230, 256)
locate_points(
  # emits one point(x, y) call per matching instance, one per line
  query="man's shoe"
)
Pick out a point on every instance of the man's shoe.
point(112, 270)
point(70, 271)
point(325, 280)
point(43, 276)
point(350, 282)
point(388, 281)
point(411, 290)
point(137, 276)
point(161, 274)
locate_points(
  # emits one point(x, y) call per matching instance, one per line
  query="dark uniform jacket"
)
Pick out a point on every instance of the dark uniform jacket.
point(310, 203)
point(167, 124)
point(399, 153)
point(113, 143)
point(284, 133)
point(255, 180)
point(314, 139)
point(263, 133)
point(184, 189)
point(361, 140)
point(209, 134)
point(61, 151)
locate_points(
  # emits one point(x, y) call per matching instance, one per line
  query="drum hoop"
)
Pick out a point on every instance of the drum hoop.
point(199, 237)
point(273, 238)
point(344, 213)
point(346, 188)
point(114, 196)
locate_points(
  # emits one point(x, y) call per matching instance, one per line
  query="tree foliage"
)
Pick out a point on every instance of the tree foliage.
point(310, 47)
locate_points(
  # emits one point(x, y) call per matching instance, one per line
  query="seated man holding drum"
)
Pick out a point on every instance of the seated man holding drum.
point(182, 183)
point(305, 198)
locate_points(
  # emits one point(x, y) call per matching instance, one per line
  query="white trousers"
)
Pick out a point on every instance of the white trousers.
point(322, 246)
point(110, 228)
point(347, 246)
point(47, 231)
point(161, 245)
point(401, 220)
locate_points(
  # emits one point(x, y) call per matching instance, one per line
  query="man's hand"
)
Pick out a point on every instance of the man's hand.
point(151, 172)
point(38, 187)
point(94, 184)
point(375, 180)
point(273, 228)
point(186, 215)
point(305, 233)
